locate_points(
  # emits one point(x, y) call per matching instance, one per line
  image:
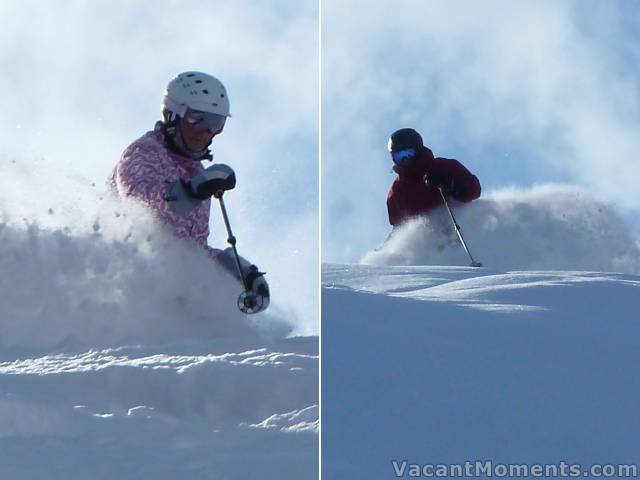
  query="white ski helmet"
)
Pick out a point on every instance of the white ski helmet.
point(197, 91)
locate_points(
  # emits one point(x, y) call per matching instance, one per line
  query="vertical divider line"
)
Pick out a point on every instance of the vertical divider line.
point(319, 239)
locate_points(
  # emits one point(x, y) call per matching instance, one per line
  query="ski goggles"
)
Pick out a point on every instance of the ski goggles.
point(205, 120)
point(404, 157)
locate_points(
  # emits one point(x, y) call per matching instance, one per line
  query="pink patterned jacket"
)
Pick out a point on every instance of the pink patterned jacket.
point(143, 171)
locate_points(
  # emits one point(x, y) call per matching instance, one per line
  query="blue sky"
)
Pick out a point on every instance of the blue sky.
point(521, 92)
point(82, 80)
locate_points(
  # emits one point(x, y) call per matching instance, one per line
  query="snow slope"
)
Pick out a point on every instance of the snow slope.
point(123, 355)
point(528, 360)
point(437, 365)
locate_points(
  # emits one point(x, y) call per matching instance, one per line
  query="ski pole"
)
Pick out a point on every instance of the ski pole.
point(248, 301)
point(231, 239)
point(458, 231)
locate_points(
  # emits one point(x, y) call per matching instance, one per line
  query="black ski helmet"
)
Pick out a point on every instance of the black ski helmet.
point(405, 138)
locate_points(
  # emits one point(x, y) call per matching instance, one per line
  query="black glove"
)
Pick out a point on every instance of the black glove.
point(217, 178)
point(449, 186)
point(437, 180)
point(252, 279)
point(458, 189)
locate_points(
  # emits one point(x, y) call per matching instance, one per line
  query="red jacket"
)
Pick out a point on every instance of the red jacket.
point(409, 196)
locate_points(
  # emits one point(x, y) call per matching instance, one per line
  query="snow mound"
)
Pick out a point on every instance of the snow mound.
point(555, 227)
point(83, 269)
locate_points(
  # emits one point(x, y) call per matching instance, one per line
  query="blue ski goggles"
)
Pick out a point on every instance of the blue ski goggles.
point(205, 120)
point(404, 157)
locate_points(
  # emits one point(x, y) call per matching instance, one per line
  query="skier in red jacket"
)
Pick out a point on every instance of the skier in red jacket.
point(420, 174)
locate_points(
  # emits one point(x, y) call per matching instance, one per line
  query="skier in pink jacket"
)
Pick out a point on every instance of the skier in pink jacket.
point(163, 168)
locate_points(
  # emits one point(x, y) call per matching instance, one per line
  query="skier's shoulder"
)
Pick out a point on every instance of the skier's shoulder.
point(150, 148)
point(450, 165)
point(146, 161)
point(397, 183)
point(425, 154)
point(446, 162)
point(151, 142)
point(399, 187)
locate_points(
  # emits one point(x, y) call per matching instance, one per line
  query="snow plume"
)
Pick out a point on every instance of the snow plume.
point(554, 227)
point(81, 268)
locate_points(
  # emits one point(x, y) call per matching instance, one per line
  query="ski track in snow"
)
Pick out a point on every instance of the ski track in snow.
point(449, 364)
point(123, 354)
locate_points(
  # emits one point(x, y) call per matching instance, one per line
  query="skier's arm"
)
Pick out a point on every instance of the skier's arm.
point(141, 178)
point(459, 182)
point(143, 174)
point(472, 189)
point(395, 218)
